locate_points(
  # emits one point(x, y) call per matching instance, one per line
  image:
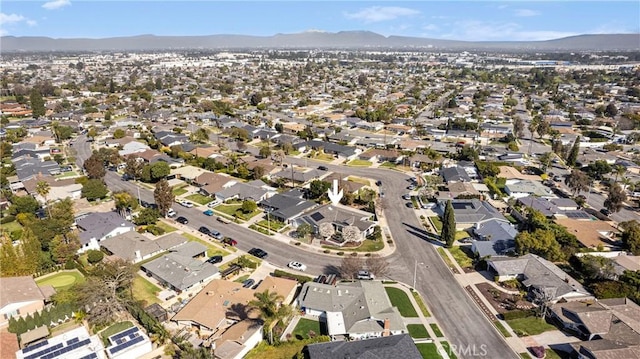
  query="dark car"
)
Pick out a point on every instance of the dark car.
point(230, 241)
point(323, 168)
point(378, 183)
point(204, 230)
point(248, 283)
point(257, 252)
point(182, 220)
point(409, 204)
point(606, 212)
point(215, 259)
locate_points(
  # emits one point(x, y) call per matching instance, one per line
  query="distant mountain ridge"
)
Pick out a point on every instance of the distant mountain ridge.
point(314, 40)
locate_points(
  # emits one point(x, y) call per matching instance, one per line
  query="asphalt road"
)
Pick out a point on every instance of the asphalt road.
point(460, 319)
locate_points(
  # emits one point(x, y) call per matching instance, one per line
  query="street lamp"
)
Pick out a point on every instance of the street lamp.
point(415, 272)
point(268, 210)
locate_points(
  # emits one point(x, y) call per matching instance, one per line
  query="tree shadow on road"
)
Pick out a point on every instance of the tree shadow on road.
point(424, 235)
point(331, 269)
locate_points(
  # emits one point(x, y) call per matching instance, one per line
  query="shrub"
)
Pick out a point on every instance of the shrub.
point(297, 243)
point(70, 264)
point(340, 253)
point(94, 256)
point(326, 251)
point(354, 254)
point(155, 230)
point(298, 277)
point(7, 219)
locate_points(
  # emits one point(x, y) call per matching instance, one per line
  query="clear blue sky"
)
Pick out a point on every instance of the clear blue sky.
point(460, 20)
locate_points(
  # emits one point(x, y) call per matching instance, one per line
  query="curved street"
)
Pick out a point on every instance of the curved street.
point(462, 322)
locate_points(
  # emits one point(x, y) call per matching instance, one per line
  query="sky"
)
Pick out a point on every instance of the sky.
point(455, 20)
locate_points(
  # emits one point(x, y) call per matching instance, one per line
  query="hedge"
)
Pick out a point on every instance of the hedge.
point(8, 219)
point(300, 278)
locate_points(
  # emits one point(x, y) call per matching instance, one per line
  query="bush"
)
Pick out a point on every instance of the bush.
point(300, 278)
point(7, 219)
point(340, 253)
point(326, 251)
point(155, 230)
point(94, 256)
point(354, 254)
point(70, 264)
point(297, 243)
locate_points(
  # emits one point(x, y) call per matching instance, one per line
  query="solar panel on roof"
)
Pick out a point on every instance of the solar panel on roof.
point(35, 346)
point(44, 352)
point(124, 334)
point(74, 340)
point(90, 356)
point(317, 216)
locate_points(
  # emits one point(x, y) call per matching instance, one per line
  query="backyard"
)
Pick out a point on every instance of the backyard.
point(198, 198)
point(62, 280)
point(400, 299)
point(305, 326)
point(145, 290)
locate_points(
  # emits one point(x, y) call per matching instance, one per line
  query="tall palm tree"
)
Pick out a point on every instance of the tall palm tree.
point(271, 309)
point(43, 188)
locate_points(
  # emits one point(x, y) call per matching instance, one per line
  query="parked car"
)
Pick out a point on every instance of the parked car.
point(171, 213)
point(323, 168)
point(257, 252)
point(204, 230)
point(223, 220)
point(365, 275)
point(213, 203)
point(182, 220)
point(229, 241)
point(406, 197)
point(409, 204)
point(248, 283)
point(605, 211)
point(215, 234)
point(297, 266)
point(208, 213)
point(215, 259)
point(378, 183)
point(186, 204)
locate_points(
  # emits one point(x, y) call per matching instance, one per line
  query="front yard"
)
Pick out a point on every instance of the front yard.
point(462, 256)
point(400, 299)
point(529, 326)
point(234, 211)
point(437, 223)
point(417, 331)
point(179, 190)
point(198, 198)
point(359, 163)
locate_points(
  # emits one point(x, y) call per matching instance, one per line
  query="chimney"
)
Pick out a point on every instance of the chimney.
point(387, 328)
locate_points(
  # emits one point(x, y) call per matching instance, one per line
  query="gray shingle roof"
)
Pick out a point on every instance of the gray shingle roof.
point(391, 347)
point(98, 224)
point(125, 245)
point(180, 269)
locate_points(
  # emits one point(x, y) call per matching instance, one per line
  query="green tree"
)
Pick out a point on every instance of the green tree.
point(448, 235)
point(631, 236)
point(577, 181)
point(518, 127)
point(133, 167)
point(318, 188)
point(63, 248)
point(43, 188)
point(159, 170)
point(94, 256)
point(248, 206)
point(124, 201)
point(573, 154)
point(598, 169)
point(147, 216)
point(94, 189)
point(8, 254)
point(163, 196)
point(265, 152)
point(545, 160)
point(24, 204)
point(37, 103)
point(31, 252)
point(304, 230)
point(615, 199)
point(94, 167)
point(119, 133)
point(541, 242)
point(201, 135)
point(271, 309)
point(258, 172)
point(611, 110)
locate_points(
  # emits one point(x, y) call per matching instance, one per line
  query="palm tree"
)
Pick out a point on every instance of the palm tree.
point(43, 188)
point(271, 310)
point(619, 171)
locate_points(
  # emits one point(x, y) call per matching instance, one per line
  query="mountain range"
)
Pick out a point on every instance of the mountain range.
point(315, 40)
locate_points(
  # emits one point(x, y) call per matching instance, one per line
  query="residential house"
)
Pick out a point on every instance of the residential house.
point(244, 191)
point(379, 156)
point(133, 147)
point(188, 173)
point(469, 212)
point(9, 345)
point(591, 233)
point(20, 296)
point(359, 310)
point(98, 226)
point(74, 343)
point(180, 270)
point(340, 217)
point(287, 206)
point(495, 238)
point(387, 347)
point(298, 175)
point(454, 174)
point(28, 167)
point(339, 151)
point(238, 339)
point(58, 189)
point(210, 183)
point(525, 188)
point(539, 276)
point(135, 247)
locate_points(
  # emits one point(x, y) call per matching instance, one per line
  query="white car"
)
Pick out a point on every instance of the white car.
point(213, 203)
point(297, 266)
point(186, 204)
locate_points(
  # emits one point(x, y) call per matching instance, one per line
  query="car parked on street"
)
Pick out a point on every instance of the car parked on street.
point(182, 220)
point(229, 241)
point(208, 213)
point(257, 252)
point(297, 266)
point(171, 213)
point(204, 230)
point(186, 204)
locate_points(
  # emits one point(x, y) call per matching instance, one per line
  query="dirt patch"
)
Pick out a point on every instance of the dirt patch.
point(501, 301)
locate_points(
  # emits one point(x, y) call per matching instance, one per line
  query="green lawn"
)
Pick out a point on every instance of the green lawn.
point(179, 191)
point(360, 163)
point(423, 307)
point(428, 350)
point(529, 326)
point(212, 250)
point(323, 157)
point(232, 210)
point(167, 228)
point(417, 331)
point(388, 164)
point(437, 223)
point(445, 257)
point(63, 280)
point(505, 333)
point(116, 328)
point(286, 350)
point(360, 180)
point(11, 226)
point(447, 348)
point(67, 174)
point(368, 245)
point(198, 198)
point(436, 330)
point(242, 279)
point(461, 257)
point(271, 224)
point(462, 235)
point(303, 327)
point(525, 356)
point(145, 290)
point(400, 299)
